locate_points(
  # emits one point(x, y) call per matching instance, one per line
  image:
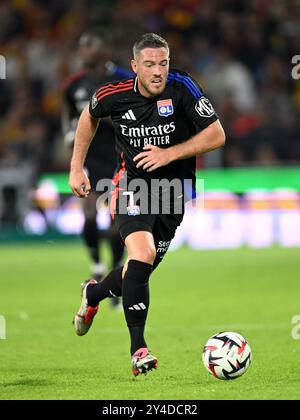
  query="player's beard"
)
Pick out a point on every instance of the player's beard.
point(151, 89)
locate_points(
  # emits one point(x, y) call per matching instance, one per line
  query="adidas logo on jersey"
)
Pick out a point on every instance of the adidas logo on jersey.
point(129, 115)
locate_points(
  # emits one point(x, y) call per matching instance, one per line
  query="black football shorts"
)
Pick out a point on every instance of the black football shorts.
point(162, 227)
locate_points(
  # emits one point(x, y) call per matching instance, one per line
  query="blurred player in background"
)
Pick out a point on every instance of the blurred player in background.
point(101, 158)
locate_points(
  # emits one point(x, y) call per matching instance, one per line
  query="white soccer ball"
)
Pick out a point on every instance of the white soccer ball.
point(227, 355)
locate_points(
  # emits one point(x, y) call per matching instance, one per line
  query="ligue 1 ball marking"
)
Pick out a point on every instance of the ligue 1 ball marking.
point(227, 355)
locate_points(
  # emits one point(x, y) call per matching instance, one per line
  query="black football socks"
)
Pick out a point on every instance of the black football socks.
point(117, 247)
point(134, 289)
point(135, 292)
point(110, 286)
point(91, 238)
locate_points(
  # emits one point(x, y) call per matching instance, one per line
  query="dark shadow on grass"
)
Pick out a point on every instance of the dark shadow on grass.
point(28, 382)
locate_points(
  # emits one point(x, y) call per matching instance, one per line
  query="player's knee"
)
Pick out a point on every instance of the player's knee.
point(146, 254)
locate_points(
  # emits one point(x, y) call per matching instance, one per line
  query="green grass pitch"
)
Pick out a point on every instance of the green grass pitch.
point(193, 295)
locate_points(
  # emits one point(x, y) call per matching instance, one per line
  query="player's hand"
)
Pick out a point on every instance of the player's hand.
point(152, 158)
point(79, 183)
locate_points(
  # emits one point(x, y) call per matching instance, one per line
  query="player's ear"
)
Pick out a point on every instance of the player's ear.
point(134, 66)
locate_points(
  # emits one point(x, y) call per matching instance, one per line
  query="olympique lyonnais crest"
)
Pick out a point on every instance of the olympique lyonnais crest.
point(165, 107)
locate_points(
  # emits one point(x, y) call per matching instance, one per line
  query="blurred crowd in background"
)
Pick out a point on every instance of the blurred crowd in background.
point(240, 52)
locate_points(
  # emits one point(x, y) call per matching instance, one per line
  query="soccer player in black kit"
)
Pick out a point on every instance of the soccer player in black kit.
point(162, 120)
point(101, 158)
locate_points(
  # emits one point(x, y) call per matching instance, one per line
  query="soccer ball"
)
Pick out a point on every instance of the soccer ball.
point(227, 355)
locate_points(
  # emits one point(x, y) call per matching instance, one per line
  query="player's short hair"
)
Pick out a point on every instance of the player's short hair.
point(149, 40)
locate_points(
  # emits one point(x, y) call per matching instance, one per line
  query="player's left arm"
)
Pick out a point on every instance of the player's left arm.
point(210, 135)
point(211, 138)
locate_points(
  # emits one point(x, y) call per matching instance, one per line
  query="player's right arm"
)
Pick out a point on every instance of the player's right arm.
point(86, 128)
point(99, 107)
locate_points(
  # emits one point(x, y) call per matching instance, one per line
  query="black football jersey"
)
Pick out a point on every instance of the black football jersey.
point(181, 111)
point(78, 91)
